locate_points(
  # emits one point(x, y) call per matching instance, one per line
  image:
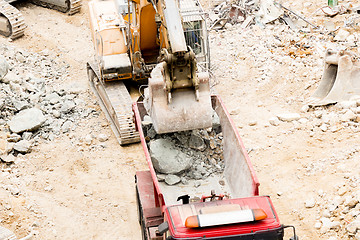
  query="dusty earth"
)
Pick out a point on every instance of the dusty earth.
point(69, 190)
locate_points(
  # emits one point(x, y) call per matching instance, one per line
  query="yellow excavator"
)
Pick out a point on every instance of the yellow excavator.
point(159, 43)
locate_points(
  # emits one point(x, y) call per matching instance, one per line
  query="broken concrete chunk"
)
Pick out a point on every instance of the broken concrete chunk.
point(353, 227)
point(341, 35)
point(196, 141)
point(161, 177)
point(348, 116)
point(27, 135)
point(21, 105)
point(102, 137)
point(8, 159)
point(167, 158)
point(147, 121)
point(172, 179)
point(67, 107)
point(22, 146)
point(14, 137)
point(346, 104)
point(53, 98)
point(183, 138)
point(269, 11)
point(289, 117)
point(274, 121)
point(216, 122)
point(27, 120)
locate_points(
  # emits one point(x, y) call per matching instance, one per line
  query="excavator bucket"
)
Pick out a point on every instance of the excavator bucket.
point(184, 112)
point(340, 81)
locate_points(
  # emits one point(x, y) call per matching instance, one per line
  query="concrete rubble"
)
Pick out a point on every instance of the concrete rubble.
point(32, 108)
point(299, 54)
point(167, 158)
point(27, 120)
point(185, 155)
point(340, 211)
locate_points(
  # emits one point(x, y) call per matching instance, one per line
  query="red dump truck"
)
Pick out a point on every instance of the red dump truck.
point(245, 216)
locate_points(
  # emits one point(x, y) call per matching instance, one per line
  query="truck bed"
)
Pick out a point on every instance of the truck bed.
point(239, 176)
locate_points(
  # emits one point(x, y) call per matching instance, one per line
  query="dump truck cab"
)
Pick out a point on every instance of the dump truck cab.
point(268, 228)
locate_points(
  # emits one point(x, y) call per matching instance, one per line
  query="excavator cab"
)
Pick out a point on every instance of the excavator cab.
point(195, 30)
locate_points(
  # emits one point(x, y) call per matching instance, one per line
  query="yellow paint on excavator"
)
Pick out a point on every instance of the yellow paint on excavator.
point(106, 33)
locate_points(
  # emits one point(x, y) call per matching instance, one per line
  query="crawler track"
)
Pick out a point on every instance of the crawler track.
point(15, 21)
point(66, 6)
point(117, 105)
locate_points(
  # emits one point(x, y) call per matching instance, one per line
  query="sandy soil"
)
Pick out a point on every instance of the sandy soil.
point(92, 192)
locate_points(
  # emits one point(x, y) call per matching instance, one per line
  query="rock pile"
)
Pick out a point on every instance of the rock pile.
point(323, 119)
point(339, 212)
point(31, 106)
point(286, 66)
point(179, 157)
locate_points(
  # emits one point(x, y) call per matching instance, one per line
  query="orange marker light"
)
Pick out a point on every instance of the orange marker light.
point(259, 214)
point(192, 222)
point(222, 218)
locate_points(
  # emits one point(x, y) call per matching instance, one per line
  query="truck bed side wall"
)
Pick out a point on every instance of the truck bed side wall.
point(239, 171)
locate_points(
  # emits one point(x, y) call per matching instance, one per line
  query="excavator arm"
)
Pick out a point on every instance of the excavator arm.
point(177, 99)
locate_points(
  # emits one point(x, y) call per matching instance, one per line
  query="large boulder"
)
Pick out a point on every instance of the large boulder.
point(27, 120)
point(168, 159)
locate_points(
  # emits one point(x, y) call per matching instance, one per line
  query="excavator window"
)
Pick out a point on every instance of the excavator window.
point(122, 7)
point(193, 36)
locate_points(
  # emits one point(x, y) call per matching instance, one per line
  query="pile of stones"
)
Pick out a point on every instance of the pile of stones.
point(182, 156)
point(32, 107)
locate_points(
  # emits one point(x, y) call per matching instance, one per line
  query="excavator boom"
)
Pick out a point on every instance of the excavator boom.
point(177, 100)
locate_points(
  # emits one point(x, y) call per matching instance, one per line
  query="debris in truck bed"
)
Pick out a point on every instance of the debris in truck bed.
point(189, 154)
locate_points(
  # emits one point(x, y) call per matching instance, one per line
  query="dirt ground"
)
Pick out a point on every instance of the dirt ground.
point(71, 191)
